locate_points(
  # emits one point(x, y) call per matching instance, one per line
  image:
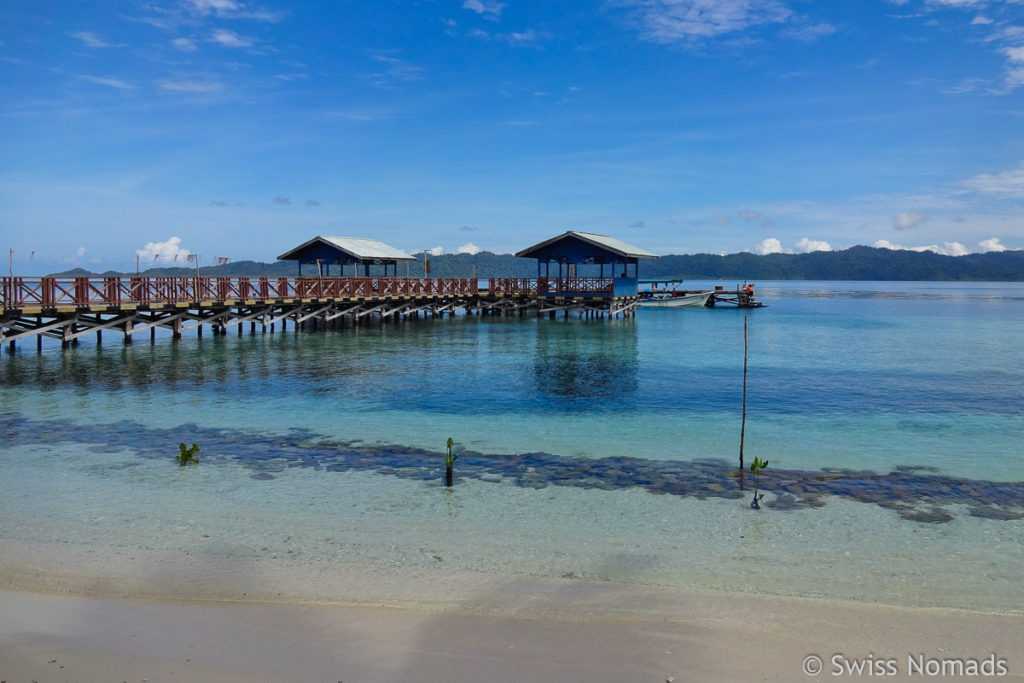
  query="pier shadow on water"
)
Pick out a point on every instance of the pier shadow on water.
point(919, 494)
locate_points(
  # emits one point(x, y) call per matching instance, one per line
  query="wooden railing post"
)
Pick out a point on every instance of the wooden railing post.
point(81, 291)
point(112, 291)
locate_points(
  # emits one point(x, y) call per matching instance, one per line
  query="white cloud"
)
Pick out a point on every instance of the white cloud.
point(230, 9)
point(230, 39)
point(772, 245)
point(968, 85)
point(527, 36)
point(999, 32)
point(959, 3)
point(488, 8)
point(806, 246)
point(218, 6)
point(396, 71)
point(1014, 79)
point(1015, 68)
point(769, 245)
point(947, 248)
point(1005, 184)
point(189, 86)
point(1014, 54)
point(908, 219)
point(750, 216)
point(810, 33)
point(950, 249)
point(436, 251)
point(468, 248)
point(991, 244)
point(76, 258)
point(184, 44)
point(671, 21)
point(112, 82)
point(168, 252)
point(90, 39)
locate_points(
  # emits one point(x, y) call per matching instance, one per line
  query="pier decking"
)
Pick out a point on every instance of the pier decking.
point(66, 308)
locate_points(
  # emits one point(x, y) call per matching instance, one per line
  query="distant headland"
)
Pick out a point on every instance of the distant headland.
point(855, 263)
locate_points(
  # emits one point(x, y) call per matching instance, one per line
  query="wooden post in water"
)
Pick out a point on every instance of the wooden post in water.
point(743, 423)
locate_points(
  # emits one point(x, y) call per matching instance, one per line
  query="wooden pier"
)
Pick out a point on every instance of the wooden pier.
point(741, 297)
point(67, 308)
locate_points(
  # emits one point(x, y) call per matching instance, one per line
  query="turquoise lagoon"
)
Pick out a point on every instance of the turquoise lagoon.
point(892, 415)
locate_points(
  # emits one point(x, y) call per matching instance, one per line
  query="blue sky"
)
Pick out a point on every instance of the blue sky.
point(239, 129)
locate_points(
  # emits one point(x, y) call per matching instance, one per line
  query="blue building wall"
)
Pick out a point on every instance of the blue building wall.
point(574, 250)
point(626, 286)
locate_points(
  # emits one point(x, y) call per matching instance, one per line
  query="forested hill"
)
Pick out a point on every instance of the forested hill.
point(855, 263)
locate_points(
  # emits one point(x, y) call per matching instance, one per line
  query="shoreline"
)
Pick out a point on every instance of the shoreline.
point(125, 611)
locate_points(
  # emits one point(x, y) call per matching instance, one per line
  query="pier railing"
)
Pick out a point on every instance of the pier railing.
point(54, 292)
point(17, 293)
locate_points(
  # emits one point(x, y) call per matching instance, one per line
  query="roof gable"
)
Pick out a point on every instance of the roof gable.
point(356, 248)
point(573, 239)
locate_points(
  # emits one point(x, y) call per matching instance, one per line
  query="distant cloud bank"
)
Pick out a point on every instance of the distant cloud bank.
point(947, 248)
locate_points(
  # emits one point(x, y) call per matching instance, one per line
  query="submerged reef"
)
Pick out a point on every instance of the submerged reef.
point(915, 493)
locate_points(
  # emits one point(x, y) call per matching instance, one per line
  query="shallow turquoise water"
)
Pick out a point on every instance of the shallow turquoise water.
point(850, 375)
point(842, 376)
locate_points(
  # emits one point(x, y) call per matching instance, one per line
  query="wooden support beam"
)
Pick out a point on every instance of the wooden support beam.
point(339, 313)
point(96, 323)
point(312, 314)
point(32, 330)
point(154, 320)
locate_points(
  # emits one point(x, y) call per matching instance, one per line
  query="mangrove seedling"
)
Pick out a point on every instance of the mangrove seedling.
point(755, 469)
point(188, 456)
point(449, 461)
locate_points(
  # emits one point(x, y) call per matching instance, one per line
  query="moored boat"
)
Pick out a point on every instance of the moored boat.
point(687, 300)
point(668, 294)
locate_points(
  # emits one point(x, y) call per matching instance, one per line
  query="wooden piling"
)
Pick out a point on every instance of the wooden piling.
point(743, 423)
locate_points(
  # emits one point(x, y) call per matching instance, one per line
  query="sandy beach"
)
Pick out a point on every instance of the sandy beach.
point(260, 623)
point(692, 638)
